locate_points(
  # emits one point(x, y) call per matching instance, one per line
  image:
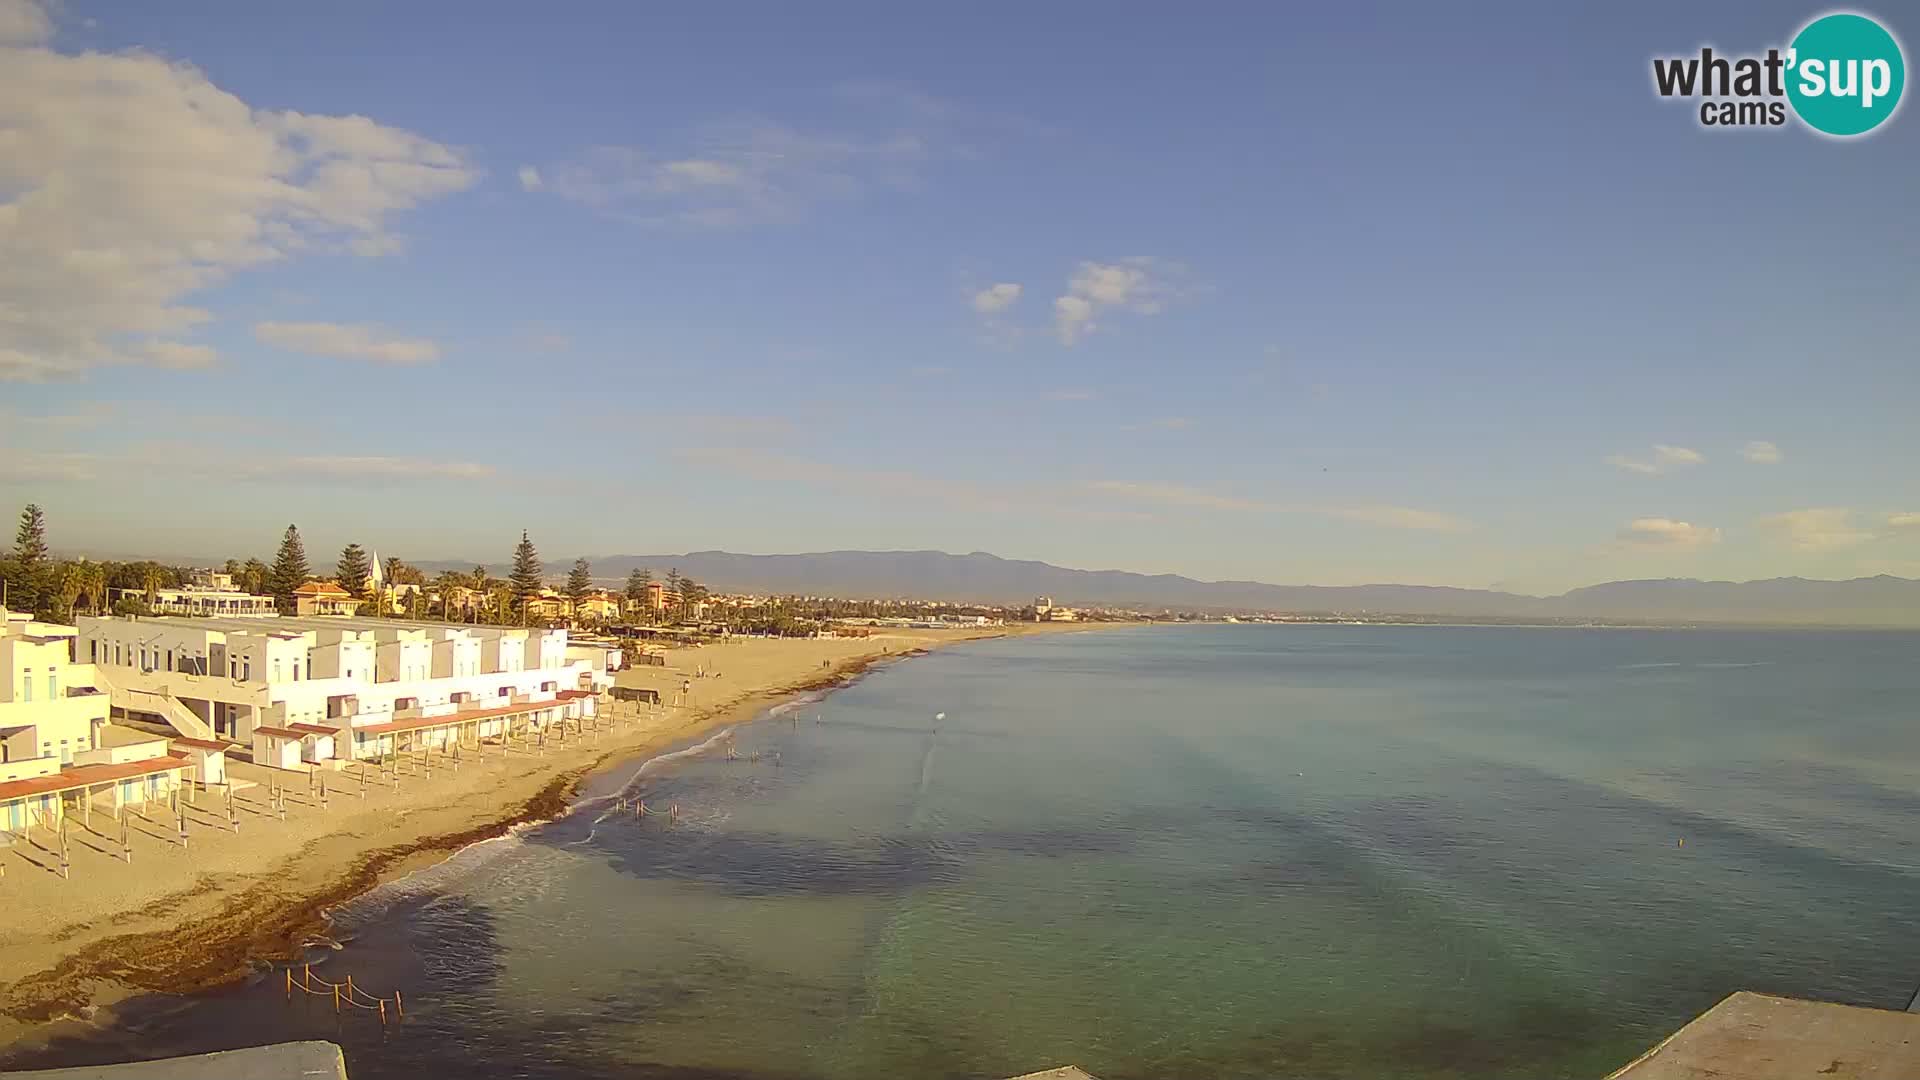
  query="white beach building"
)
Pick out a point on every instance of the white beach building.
point(207, 592)
point(359, 682)
point(56, 746)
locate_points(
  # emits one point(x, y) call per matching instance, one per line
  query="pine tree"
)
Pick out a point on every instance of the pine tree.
point(525, 577)
point(30, 542)
point(353, 570)
point(290, 570)
point(579, 580)
point(28, 587)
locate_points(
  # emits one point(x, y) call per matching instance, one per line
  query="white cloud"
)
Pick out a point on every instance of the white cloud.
point(1137, 284)
point(129, 183)
point(736, 175)
point(24, 22)
point(1392, 517)
point(1904, 521)
point(174, 462)
point(1761, 452)
point(369, 468)
point(1072, 316)
point(347, 341)
point(530, 178)
point(996, 298)
point(1827, 528)
point(1179, 496)
point(41, 466)
point(178, 355)
point(1658, 532)
point(1663, 459)
point(85, 415)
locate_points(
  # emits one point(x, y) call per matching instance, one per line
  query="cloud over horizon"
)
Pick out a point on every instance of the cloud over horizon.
point(1659, 532)
point(1386, 516)
point(1136, 284)
point(181, 185)
point(347, 342)
point(1825, 528)
point(1663, 459)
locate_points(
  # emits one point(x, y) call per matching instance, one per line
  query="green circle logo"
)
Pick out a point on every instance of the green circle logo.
point(1845, 74)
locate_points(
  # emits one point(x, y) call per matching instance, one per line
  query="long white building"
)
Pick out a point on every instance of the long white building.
point(365, 680)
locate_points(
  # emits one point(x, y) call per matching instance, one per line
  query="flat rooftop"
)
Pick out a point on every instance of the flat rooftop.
point(298, 624)
point(1758, 1037)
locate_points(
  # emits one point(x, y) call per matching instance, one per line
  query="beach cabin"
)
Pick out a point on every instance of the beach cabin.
point(112, 777)
point(642, 694)
point(277, 747)
point(316, 742)
point(209, 759)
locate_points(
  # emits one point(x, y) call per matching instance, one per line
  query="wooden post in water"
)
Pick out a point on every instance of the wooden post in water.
point(396, 1005)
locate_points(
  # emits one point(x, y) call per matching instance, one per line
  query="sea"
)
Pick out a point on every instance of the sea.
point(1182, 853)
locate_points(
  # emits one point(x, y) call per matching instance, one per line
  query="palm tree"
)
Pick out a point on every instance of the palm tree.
point(150, 581)
point(446, 585)
point(96, 587)
point(502, 596)
point(71, 583)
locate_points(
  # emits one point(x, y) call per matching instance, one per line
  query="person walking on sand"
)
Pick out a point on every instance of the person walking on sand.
point(686, 690)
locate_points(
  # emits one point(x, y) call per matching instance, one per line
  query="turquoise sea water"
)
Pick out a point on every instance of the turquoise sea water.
point(1183, 852)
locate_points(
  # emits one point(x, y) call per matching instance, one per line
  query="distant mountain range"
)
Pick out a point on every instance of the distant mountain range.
point(984, 578)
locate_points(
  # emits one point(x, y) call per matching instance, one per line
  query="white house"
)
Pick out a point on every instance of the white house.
point(364, 680)
point(208, 592)
point(49, 706)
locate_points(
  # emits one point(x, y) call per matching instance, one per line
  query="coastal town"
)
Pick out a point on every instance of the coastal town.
point(145, 689)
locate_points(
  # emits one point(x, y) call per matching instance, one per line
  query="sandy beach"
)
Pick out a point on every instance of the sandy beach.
point(174, 921)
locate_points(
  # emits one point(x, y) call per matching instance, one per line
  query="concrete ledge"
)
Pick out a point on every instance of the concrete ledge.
point(1065, 1072)
point(281, 1061)
point(1758, 1037)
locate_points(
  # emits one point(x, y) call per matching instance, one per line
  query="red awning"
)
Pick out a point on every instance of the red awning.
point(83, 776)
point(452, 719)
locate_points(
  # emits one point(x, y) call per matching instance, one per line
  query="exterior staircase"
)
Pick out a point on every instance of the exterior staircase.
point(167, 707)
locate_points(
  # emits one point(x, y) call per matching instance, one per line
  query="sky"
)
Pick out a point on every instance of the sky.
point(1304, 294)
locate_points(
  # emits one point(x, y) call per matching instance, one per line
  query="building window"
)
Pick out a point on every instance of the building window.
point(53, 687)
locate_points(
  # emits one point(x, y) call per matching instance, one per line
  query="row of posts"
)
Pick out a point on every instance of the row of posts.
point(387, 768)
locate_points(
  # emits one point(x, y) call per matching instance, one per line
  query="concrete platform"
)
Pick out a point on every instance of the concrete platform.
point(1065, 1072)
point(281, 1061)
point(1757, 1037)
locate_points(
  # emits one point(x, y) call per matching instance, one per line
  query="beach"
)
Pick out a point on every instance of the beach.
point(172, 921)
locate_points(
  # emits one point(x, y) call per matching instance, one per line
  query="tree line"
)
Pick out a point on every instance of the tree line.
point(32, 580)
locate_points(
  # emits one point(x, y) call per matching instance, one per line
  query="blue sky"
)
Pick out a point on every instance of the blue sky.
point(1361, 293)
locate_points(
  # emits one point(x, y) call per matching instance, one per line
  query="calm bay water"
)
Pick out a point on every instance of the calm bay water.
point(1220, 852)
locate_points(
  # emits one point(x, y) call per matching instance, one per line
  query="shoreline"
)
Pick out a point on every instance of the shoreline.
point(259, 918)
